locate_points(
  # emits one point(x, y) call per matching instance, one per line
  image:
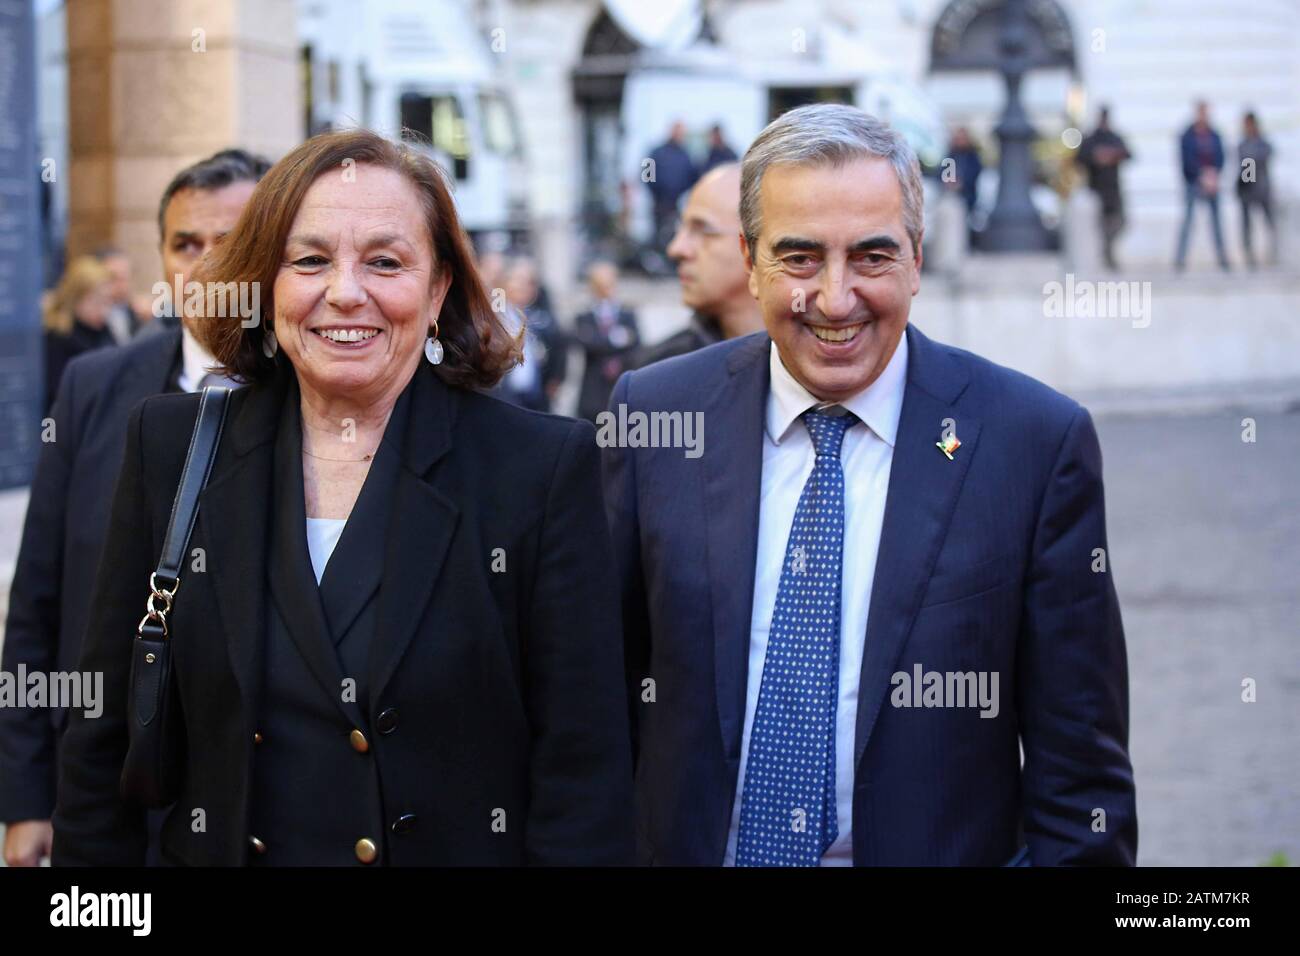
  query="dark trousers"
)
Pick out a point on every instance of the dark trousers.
point(1265, 205)
point(1112, 224)
point(665, 216)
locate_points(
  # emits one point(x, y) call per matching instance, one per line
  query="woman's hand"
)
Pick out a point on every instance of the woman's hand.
point(28, 843)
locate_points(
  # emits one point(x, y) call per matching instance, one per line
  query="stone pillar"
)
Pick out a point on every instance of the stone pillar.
point(154, 85)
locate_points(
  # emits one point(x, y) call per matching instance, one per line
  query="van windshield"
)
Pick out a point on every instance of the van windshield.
point(499, 132)
point(439, 120)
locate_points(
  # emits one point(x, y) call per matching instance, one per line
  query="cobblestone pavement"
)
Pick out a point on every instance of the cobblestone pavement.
point(1205, 549)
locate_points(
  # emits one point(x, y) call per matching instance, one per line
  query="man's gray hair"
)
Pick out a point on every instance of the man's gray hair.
point(831, 134)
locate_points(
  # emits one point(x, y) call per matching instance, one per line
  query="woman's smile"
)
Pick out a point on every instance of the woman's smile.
point(349, 338)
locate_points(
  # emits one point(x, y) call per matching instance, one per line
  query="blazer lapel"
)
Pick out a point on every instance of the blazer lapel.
point(733, 472)
point(150, 370)
point(923, 488)
point(419, 530)
point(354, 570)
point(233, 518)
point(292, 580)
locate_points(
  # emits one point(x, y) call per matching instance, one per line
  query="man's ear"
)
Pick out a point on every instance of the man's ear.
point(917, 263)
point(747, 258)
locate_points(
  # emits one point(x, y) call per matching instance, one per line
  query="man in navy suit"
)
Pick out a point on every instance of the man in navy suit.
point(877, 576)
point(72, 490)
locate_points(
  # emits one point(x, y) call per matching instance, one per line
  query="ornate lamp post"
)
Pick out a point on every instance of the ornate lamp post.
point(1012, 37)
point(1014, 224)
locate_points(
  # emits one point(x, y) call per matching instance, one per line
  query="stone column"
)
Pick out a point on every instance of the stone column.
point(154, 85)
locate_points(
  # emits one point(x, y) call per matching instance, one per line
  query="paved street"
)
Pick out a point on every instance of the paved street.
point(1205, 548)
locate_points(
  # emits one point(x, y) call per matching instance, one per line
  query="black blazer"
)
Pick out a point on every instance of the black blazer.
point(62, 347)
point(63, 537)
point(507, 682)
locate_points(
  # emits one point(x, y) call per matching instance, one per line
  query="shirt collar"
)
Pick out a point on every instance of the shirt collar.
point(195, 362)
point(878, 406)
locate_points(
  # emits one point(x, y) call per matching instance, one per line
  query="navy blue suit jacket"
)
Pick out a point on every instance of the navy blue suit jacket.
point(63, 538)
point(1188, 153)
point(985, 564)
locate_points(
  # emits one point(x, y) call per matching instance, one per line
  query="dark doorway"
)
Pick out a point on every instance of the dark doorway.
point(782, 99)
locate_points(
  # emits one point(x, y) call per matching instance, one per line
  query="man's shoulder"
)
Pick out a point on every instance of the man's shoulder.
point(996, 393)
point(100, 387)
point(691, 374)
point(105, 365)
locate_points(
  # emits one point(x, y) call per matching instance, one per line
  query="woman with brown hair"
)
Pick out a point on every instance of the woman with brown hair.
point(398, 640)
point(75, 316)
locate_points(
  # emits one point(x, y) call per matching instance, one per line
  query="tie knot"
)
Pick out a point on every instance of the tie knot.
point(827, 429)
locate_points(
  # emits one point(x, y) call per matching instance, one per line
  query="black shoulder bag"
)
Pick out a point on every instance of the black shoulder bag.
point(154, 766)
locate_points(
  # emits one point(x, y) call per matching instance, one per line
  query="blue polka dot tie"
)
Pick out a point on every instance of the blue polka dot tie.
point(787, 811)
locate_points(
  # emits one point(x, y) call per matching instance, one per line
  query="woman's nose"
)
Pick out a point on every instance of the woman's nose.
point(344, 291)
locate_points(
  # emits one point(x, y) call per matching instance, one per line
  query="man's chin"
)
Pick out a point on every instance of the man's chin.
point(833, 378)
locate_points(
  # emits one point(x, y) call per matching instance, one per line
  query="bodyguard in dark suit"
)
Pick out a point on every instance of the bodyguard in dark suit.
point(402, 647)
point(871, 508)
point(63, 536)
point(72, 489)
point(607, 333)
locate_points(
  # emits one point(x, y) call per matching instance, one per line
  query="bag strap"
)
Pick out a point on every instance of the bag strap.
point(166, 580)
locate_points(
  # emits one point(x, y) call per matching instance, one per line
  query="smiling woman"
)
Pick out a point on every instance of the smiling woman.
point(407, 601)
point(399, 197)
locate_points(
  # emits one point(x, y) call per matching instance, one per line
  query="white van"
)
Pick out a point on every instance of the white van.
point(420, 65)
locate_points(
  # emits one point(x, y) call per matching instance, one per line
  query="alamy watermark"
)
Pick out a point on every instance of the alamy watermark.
point(1088, 299)
point(637, 429)
point(211, 300)
point(77, 690)
point(923, 688)
point(74, 908)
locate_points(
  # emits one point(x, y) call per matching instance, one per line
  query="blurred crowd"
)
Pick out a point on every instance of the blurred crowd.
point(1103, 151)
point(696, 221)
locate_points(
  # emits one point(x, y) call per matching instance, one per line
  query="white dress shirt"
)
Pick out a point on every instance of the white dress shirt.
point(788, 456)
point(195, 362)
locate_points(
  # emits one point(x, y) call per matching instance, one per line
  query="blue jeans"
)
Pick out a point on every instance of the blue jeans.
point(1193, 194)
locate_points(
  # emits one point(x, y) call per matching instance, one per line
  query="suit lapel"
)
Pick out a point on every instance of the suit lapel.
point(733, 472)
point(419, 530)
point(290, 575)
point(353, 573)
point(233, 516)
point(923, 488)
point(151, 369)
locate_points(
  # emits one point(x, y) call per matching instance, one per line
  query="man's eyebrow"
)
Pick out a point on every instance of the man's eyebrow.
point(184, 234)
point(875, 243)
point(796, 244)
point(870, 244)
